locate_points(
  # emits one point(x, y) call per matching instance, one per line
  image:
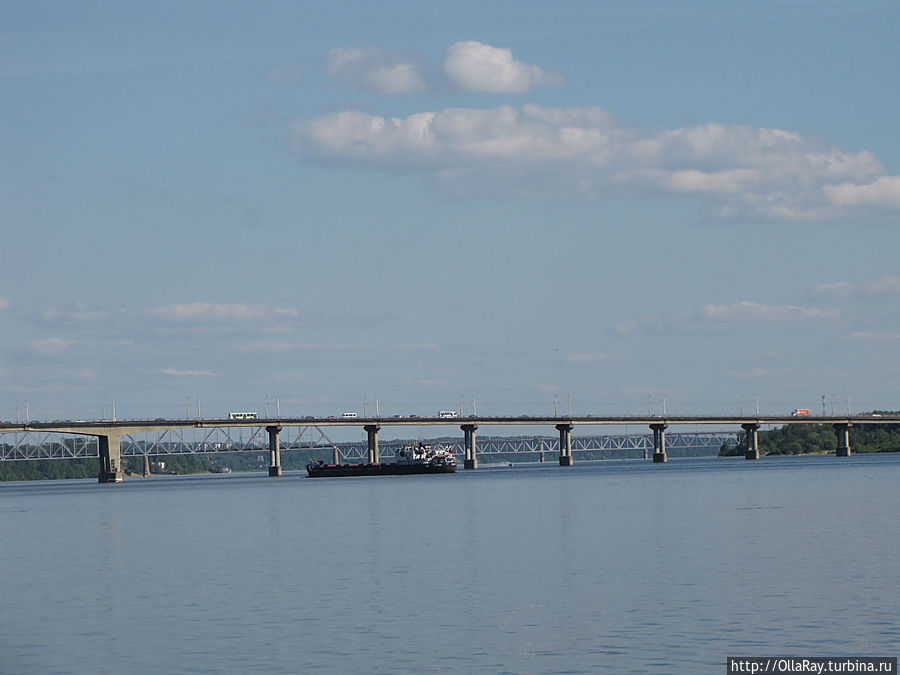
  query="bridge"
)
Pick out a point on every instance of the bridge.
point(109, 433)
point(51, 445)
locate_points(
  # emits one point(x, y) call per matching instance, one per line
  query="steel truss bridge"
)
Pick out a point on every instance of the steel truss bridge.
point(34, 445)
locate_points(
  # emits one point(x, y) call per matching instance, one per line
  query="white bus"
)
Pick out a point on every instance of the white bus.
point(447, 414)
point(349, 415)
point(243, 415)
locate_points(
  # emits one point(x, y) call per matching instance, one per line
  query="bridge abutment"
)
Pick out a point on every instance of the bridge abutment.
point(842, 431)
point(471, 460)
point(274, 451)
point(565, 444)
point(372, 436)
point(751, 433)
point(146, 466)
point(659, 443)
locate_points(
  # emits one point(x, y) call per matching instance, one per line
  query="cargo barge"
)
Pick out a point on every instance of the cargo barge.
point(411, 459)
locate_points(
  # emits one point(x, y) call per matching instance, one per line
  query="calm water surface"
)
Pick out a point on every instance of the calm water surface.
point(604, 567)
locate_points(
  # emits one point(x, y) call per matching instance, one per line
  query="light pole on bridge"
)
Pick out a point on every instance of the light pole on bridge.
point(277, 406)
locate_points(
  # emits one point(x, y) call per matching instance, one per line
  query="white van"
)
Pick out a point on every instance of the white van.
point(447, 414)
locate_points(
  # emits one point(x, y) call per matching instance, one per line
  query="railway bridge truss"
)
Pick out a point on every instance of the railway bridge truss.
point(35, 445)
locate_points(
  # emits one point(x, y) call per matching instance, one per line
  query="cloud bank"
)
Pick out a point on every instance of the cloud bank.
point(752, 311)
point(211, 311)
point(846, 289)
point(733, 171)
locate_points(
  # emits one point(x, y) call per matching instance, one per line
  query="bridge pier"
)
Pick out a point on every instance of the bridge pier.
point(372, 435)
point(565, 444)
point(110, 459)
point(274, 450)
point(751, 432)
point(659, 443)
point(842, 431)
point(471, 460)
point(146, 466)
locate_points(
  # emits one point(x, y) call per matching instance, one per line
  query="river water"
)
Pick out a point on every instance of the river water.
point(603, 567)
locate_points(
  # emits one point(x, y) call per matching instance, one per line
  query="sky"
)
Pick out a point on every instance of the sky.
point(609, 207)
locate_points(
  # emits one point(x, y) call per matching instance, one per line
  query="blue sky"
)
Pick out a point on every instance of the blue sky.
point(428, 203)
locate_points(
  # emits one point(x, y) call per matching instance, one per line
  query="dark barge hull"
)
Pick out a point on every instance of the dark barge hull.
point(376, 469)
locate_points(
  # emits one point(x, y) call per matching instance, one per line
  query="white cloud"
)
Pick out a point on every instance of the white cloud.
point(881, 193)
point(380, 70)
point(734, 171)
point(751, 311)
point(210, 311)
point(50, 346)
point(475, 66)
point(846, 289)
point(185, 373)
point(644, 325)
point(81, 312)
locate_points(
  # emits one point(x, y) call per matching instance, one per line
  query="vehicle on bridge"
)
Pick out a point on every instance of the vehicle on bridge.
point(447, 414)
point(243, 415)
point(799, 412)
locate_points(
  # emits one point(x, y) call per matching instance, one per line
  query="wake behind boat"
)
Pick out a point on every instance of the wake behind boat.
point(411, 459)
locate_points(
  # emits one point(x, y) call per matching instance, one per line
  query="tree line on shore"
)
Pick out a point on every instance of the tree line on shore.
point(799, 439)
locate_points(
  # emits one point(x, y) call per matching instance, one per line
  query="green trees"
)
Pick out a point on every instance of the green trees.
point(795, 439)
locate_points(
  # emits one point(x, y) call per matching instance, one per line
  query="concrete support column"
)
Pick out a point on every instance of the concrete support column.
point(752, 436)
point(372, 434)
point(842, 431)
point(110, 459)
point(565, 444)
point(146, 466)
point(274, 451)
point(659, 443)
point(471, 461)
